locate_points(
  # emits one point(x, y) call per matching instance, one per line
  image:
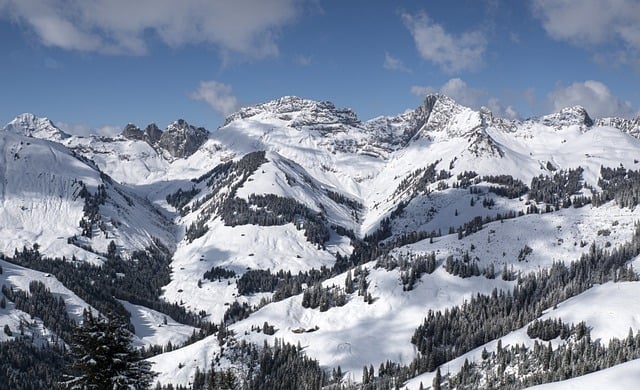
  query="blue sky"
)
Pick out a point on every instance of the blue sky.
point(93, 66)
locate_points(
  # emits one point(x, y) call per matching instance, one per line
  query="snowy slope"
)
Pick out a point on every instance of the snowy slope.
point(395, 313)
point(610, 310)
point(126, 161)
point(41, 192)
point(155, 328)
point(179, 366)
point(349, 336)
point(237, 249)
point(16, 277)
point(623, 376)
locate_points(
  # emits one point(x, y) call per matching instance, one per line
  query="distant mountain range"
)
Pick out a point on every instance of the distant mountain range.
point(367, 244)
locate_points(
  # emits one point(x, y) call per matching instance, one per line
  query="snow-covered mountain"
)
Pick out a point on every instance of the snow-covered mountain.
point(64, 203)
point(297, 221)
point(32, 126)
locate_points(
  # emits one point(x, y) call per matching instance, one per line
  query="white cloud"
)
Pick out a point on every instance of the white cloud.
point(495, 106)
point(453, 53)
point(245, 27)
point(594, 96)
point(422, 91)
point(510, 112)
point(86, 130)
point(108, 130)
point(392, 63)
point(218, 95)
point(611, 25)
point(55, 31)
point(458, 90)
point(303, 60)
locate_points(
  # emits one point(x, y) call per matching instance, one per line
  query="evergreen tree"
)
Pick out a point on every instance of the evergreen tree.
point(348, 283)
point(436, 380)
point(102, 357)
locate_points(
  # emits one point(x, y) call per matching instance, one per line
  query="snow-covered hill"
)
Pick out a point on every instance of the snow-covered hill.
point(16, 277)
point(65, 204)
point(620, 377)
point(293, 195)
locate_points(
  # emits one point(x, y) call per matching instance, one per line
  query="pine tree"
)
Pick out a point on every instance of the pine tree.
point(348, 283)
point(436, 380)
point(102, 357)
point(365, 376)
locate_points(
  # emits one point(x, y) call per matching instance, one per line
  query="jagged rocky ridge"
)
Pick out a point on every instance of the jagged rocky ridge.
point(179, 139)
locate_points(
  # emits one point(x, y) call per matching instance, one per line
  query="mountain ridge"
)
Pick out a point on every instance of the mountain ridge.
point(437, 112)
point(179, 139)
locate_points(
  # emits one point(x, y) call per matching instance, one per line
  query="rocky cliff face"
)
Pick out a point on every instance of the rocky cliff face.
point(179, 139)
point(152, 134)
point(568, 116)
point(132, 131)
point(629, 126)
point(300, 112)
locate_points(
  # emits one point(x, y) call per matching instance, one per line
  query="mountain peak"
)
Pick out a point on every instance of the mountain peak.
point(444, 117)
point(431, 99)
point(180, 138)
point(299, 112)
point(576, 115)
point(132, 131)
point(31, 125)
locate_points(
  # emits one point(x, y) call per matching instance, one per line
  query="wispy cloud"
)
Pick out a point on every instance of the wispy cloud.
point(245, 27)
point(458, 90)
point(393, 63)
point(422, 91)
point(594, 96)
point(453, 53)
point(217, 95)
point(610, 25)
point(86, 130)
point(303, 60)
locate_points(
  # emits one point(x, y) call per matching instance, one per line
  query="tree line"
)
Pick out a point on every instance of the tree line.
point(446, 335)
point(517, 366)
